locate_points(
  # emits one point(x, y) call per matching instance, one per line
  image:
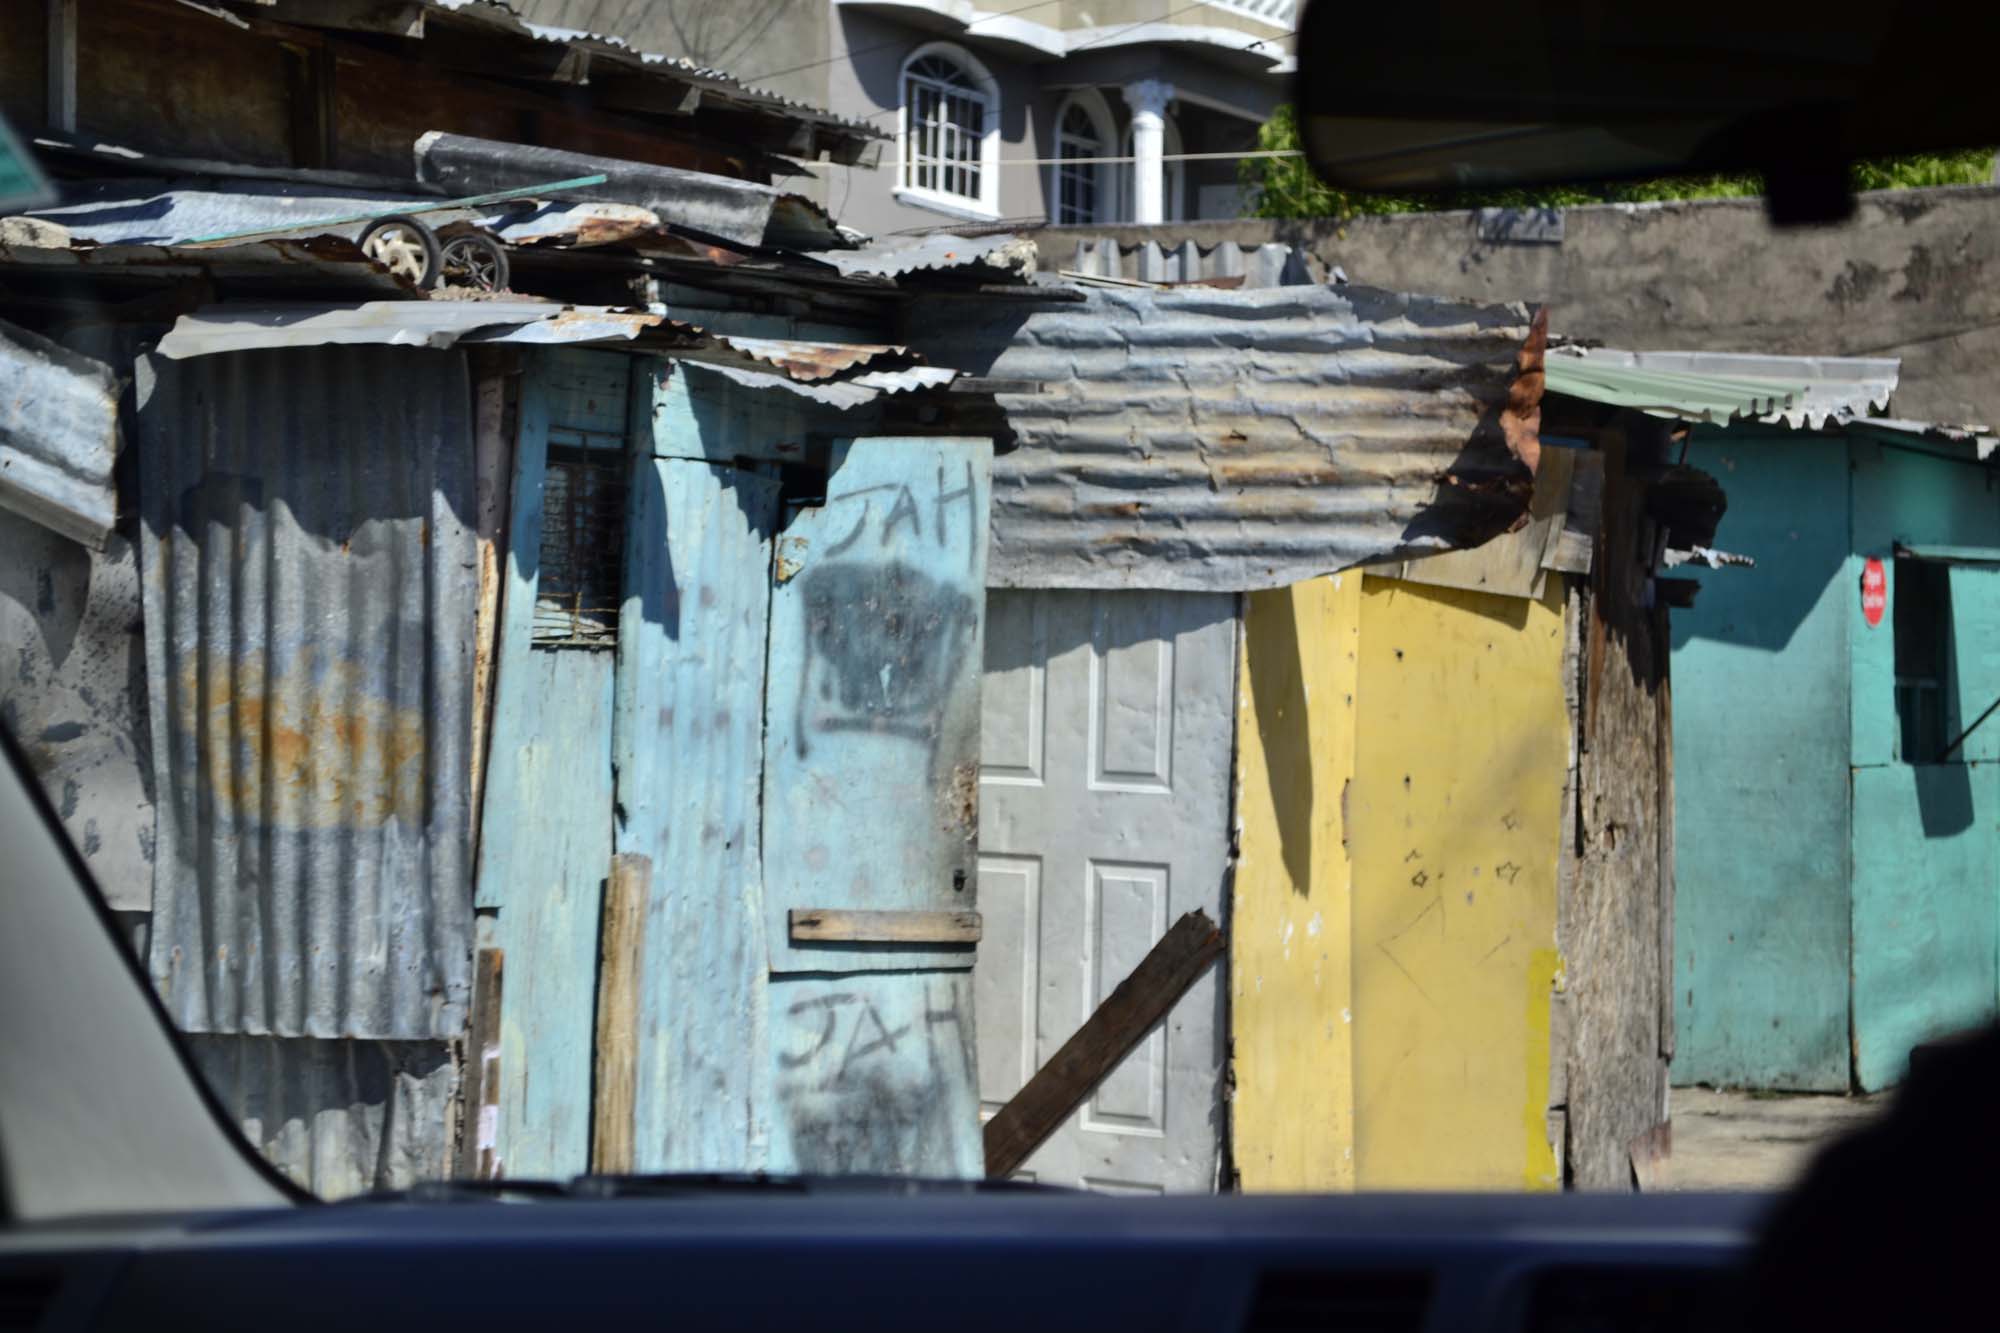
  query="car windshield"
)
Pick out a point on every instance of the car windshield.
point(774, 591)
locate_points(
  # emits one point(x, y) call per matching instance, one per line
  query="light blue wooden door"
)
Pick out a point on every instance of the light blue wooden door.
point(689, 745)
point(872, 729)
point(545, 842)
point(871, 804)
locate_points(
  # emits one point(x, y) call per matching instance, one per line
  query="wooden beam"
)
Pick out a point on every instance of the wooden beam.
point(1105, 1039)
point(831, 923)
point(480, 1151)
point(61, 85)
point(615, 1068)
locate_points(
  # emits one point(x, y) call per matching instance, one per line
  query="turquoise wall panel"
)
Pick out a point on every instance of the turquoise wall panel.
point(1761, 915)
point(874, 1074)
point(545, 843)
point(689, 747)
point(1925, 919)
point(872, 726)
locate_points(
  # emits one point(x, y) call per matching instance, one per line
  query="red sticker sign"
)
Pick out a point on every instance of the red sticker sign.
point(1874, 592)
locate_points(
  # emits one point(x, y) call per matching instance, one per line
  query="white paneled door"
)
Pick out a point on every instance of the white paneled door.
point(1103, 816)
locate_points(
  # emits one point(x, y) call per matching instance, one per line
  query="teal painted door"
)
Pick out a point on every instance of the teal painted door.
point(1761, 919)
point(1926, 890)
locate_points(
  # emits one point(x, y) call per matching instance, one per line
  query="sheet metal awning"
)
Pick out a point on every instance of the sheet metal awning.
point(58, 437)
point(1720, 387)
point(1209, 440)
point(840, 374)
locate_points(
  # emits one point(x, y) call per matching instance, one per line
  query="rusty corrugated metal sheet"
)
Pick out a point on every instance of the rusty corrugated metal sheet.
point(309, 578)
point(339, 1118)
point(1210, 440)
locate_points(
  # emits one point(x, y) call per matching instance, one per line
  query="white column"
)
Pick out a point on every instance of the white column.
point(1148, 99)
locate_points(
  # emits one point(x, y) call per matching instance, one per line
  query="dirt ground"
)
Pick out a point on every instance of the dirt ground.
point(1755, 1140)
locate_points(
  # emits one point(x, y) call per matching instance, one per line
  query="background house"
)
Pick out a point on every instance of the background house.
point(983, 102)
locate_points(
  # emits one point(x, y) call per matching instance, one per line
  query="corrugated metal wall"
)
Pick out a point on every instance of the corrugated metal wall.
point(338, 1117)
point(309, 580)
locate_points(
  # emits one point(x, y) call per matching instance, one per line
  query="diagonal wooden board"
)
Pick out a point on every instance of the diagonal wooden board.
point(1106, 1037)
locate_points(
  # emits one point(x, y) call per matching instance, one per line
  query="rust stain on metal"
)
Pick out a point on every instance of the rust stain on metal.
point(1521, 418)
point(306, 749)
point(810, 361)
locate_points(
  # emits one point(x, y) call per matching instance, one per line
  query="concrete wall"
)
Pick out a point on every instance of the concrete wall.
point(1915, 275)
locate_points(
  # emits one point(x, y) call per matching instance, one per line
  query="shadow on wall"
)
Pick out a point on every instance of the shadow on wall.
point(1944, 798)
point(1276, 680)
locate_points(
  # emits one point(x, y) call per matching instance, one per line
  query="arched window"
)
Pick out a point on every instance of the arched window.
point(1080, 192)
point(1175, 185)
point(949, 135)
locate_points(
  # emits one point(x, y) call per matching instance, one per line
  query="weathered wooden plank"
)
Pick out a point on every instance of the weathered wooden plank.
point(831, 923)
point(495, 399)
point(1107, 1036)
point(480, 1141)
point(872, 726)
point(1610, 929)
point(621, 956)
point(689, 744)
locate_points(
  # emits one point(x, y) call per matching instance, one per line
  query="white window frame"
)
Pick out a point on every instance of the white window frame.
point(986, 206)
point(1109, 187)
point(1175, 184)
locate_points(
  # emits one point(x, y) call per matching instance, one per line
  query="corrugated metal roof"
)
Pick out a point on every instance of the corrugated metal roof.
point(58, 437)
point(1724, 386)
point(1212, 440)
point(247, 327)
point(742, 212)
point(319, 263)
point(855, 392)
point(309, 582)
point(843, 374)
point(1983, 438)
